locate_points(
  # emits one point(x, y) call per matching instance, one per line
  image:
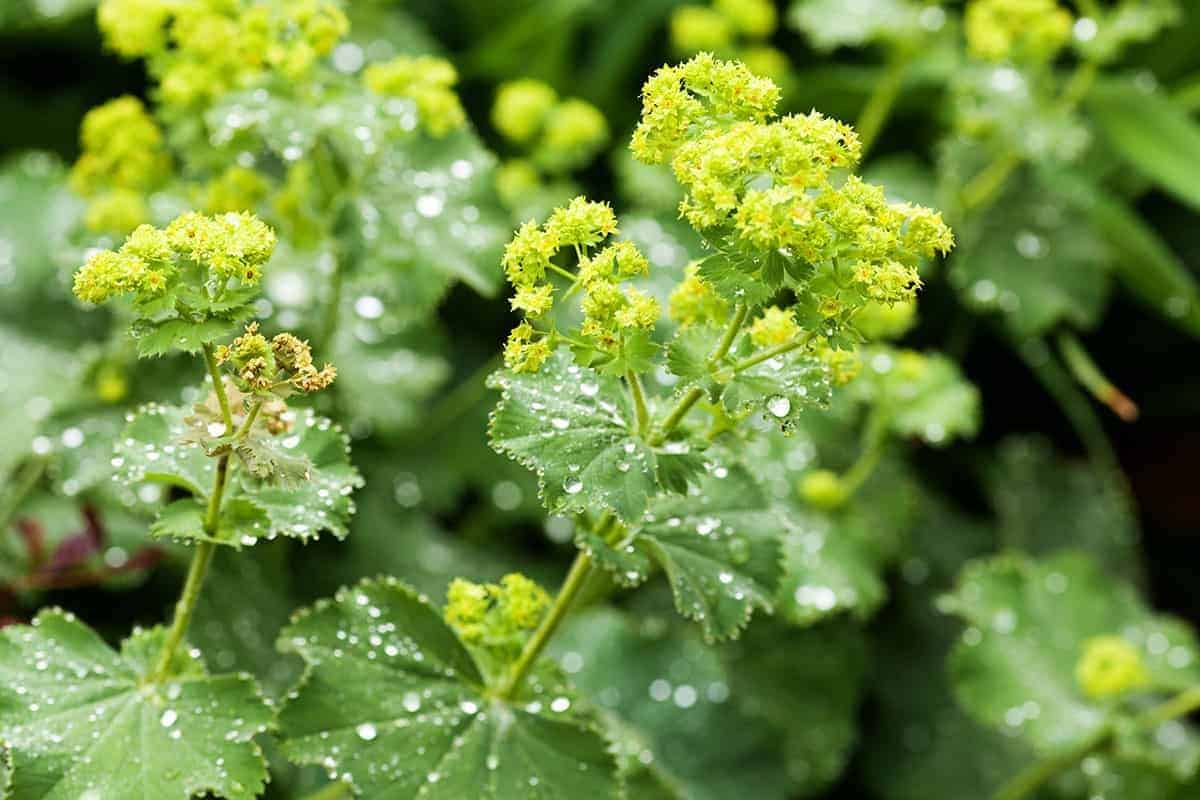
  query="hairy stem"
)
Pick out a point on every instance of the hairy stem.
point(676, 414)
point(210, 361)
point(984, 187)
point(1081, 365)
point(740, 312)
point(874, 436)
point(771, 352)
point(883, 98)
point(1037, 775)
point(581, 568)
point(23, 483)
point(639, 401)
point(185, 607)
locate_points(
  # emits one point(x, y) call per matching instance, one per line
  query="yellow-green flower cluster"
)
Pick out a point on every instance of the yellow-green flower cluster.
point(694, 302)
point(200, 50)
point(283, 363)
point(881, 321)
point(236, 189)
point(427, 81)
point(776, 326)
point(611, 311)
point(559, 134)
point(123, 159)
point(142, 267)
point(778, 185)
point(1110, 666)
point(1030, 31)
point(735, 28)
point(496, 617)
point(681, 102)
point(229, 246)
point(843, 365)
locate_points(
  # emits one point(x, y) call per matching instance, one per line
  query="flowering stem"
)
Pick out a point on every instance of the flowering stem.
point(874, 436)
point(771, 352)
point(983, 188)
point(694, 394)
point(557, 270)
point(740, 312)
point(883, 98)
point(185, 607)
point(332, 791)
point(1040, 773)
point(1081, 365)
point(23, 484)
point(639, 401)
point(210, 361)
point(581, 568)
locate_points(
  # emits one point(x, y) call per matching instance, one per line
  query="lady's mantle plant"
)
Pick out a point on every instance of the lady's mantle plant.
point(402, 700)
point(82, 720)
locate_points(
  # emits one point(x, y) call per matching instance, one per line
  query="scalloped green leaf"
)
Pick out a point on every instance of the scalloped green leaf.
point(161, 338)
point(324, 501)
point(720, 550)
point(242, 522)
point(393, 703)
point(920, 394)
point(780, 389)
point(1033, 259)
point(1014, 666)
point(149, 449)
point(829, 568)
point(82, 722)
point(572, 427)
point(830, 24)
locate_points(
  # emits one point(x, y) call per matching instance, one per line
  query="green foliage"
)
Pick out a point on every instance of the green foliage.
point(80, 717)
point(393, 703)
point(739, 390)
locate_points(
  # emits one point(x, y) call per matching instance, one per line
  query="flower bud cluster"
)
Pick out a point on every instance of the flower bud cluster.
point(427, 81)
point(200, 50)
point(694, 302)
point(1023, 31)
point(496, 617)
point(236, 189)
point(736, 28)
point(123, 159)
point(559, 134)
point(282, 363)
point(226, 247)
point(611, 311)
point(1110, 666)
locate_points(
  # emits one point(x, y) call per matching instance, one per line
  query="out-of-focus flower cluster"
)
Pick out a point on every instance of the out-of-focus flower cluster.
point(426, 80)
point(733, 28)
point(200, 50)
point(1024, 31)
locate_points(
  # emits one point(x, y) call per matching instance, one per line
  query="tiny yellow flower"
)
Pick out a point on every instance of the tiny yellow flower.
point(1110, 666)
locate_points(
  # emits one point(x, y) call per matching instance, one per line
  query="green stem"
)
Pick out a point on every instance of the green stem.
point(984, 187)
point(883, 98)
point(740, 312)
point(874, 437)
point(214, 371)
point(557, 270)
point(576, 577)
point(639, 401)
point(1081, 365)
point(23, 484)
point(249, 421)
point(771, 352)
point(332, 791)
point(676, 415)
point(185, 607)
point(333, 308)
point(1042, 772)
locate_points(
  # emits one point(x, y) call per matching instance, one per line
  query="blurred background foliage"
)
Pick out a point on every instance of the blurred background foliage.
point(1083, 255)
